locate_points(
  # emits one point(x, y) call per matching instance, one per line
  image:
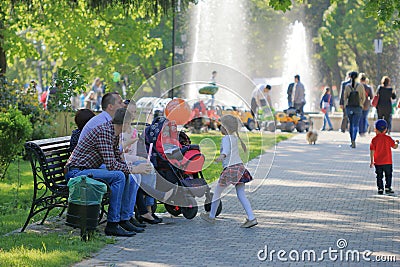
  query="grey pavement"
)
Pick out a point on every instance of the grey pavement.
point(316, 198)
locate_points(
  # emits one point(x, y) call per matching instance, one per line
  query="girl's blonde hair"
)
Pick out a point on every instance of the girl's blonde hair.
point(232, 125)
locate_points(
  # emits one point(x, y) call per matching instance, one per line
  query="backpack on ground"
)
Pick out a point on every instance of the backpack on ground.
point(354, 98)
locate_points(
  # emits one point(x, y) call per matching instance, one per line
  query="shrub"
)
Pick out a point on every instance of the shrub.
point(42, 121)
point(15, 129)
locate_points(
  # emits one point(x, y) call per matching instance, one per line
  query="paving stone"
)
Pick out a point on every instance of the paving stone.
point(313, 197)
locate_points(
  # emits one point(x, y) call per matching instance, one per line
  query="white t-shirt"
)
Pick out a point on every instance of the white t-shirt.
point(258, 94)
point(229, 147)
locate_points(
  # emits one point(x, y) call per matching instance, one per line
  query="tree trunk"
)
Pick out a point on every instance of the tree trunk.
point(3, 59)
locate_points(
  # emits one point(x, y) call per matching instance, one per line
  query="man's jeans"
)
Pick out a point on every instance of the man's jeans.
point(364, 122)
point(116, 180)
point(354, 115)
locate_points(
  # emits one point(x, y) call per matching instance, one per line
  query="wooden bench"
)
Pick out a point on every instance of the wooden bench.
point(48, 158)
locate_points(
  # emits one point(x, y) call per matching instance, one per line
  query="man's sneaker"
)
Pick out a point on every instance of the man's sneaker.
point(380, 191)
point(248, 223)
point(206, 217)
point(389, 190)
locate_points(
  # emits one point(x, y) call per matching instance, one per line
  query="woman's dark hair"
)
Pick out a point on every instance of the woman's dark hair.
point(353, 77)
point(385, 81)
point(297, 77)
point(327, 89)
point(82, 116)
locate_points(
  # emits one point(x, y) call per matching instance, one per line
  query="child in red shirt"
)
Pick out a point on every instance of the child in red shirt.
point(381, 156)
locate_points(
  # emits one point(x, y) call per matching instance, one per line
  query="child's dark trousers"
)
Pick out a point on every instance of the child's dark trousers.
point(379, 170)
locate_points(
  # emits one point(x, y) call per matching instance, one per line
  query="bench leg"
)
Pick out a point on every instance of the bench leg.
point(31, 213)
point(62, 212)
point(45, 216)
point(26, 223)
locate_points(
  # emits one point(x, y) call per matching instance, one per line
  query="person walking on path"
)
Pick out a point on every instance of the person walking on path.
point(369, 94)
point(354, 98)
point(381, 156)
point(260, 98)
point(345, 120)
point(299, 96)
point(325, 105)
point(384, 107)
point(234, 171)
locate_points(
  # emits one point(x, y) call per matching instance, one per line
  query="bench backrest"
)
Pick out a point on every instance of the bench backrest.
point(48, 158)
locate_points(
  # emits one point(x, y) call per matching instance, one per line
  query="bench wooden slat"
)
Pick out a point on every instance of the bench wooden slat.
point(57, 159)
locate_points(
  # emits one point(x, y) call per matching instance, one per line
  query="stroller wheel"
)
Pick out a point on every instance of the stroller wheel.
point(190, 211)
point(207, 205)
point(173, 210)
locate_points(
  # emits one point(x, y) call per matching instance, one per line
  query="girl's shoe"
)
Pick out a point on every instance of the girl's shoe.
point(248, 223)
point(380, 191)
point(206, 217)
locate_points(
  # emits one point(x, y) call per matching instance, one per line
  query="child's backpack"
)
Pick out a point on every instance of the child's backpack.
point(354, 98)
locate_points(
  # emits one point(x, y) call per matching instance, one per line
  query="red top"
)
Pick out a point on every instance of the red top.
point(382, 145)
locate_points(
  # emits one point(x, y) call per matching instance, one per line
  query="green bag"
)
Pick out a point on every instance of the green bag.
point(208, 90)
point(84, 190)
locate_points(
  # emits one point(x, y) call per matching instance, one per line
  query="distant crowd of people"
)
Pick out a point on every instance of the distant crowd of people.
point(90, 99)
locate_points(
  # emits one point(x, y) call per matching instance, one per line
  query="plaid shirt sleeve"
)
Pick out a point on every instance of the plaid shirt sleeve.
point(109, 150)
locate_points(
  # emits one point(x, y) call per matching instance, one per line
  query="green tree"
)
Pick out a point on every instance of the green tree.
point(345, 42)
point(21, 23)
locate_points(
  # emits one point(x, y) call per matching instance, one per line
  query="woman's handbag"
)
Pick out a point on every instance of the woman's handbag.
point(375, 101)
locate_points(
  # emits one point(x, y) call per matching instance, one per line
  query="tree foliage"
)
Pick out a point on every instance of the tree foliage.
point(345, 41)
point(100, 42)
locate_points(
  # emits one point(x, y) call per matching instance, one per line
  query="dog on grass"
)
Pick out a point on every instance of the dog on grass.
point(312, 137)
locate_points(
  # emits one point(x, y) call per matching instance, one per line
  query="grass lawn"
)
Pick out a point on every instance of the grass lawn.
point(30, 248)
point(63, 249)
point(256, 144)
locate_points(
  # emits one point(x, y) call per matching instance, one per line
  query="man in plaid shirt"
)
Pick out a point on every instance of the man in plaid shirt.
point(101, 146)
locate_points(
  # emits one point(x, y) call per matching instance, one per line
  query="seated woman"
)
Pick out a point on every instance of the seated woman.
point(144, 202)
point(82, 116)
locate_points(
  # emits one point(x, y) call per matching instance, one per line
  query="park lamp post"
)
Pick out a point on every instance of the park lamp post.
point(176, 9)
point(378, 43)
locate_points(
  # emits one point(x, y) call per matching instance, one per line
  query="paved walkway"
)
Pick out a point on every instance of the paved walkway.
point(318, 199)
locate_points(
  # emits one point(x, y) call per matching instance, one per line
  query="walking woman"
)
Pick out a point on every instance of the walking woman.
point(384, 107)
point(354, 97)
point(367, 104)
point(325, 105)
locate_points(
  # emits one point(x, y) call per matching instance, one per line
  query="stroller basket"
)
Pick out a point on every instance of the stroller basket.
point(197, 186)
